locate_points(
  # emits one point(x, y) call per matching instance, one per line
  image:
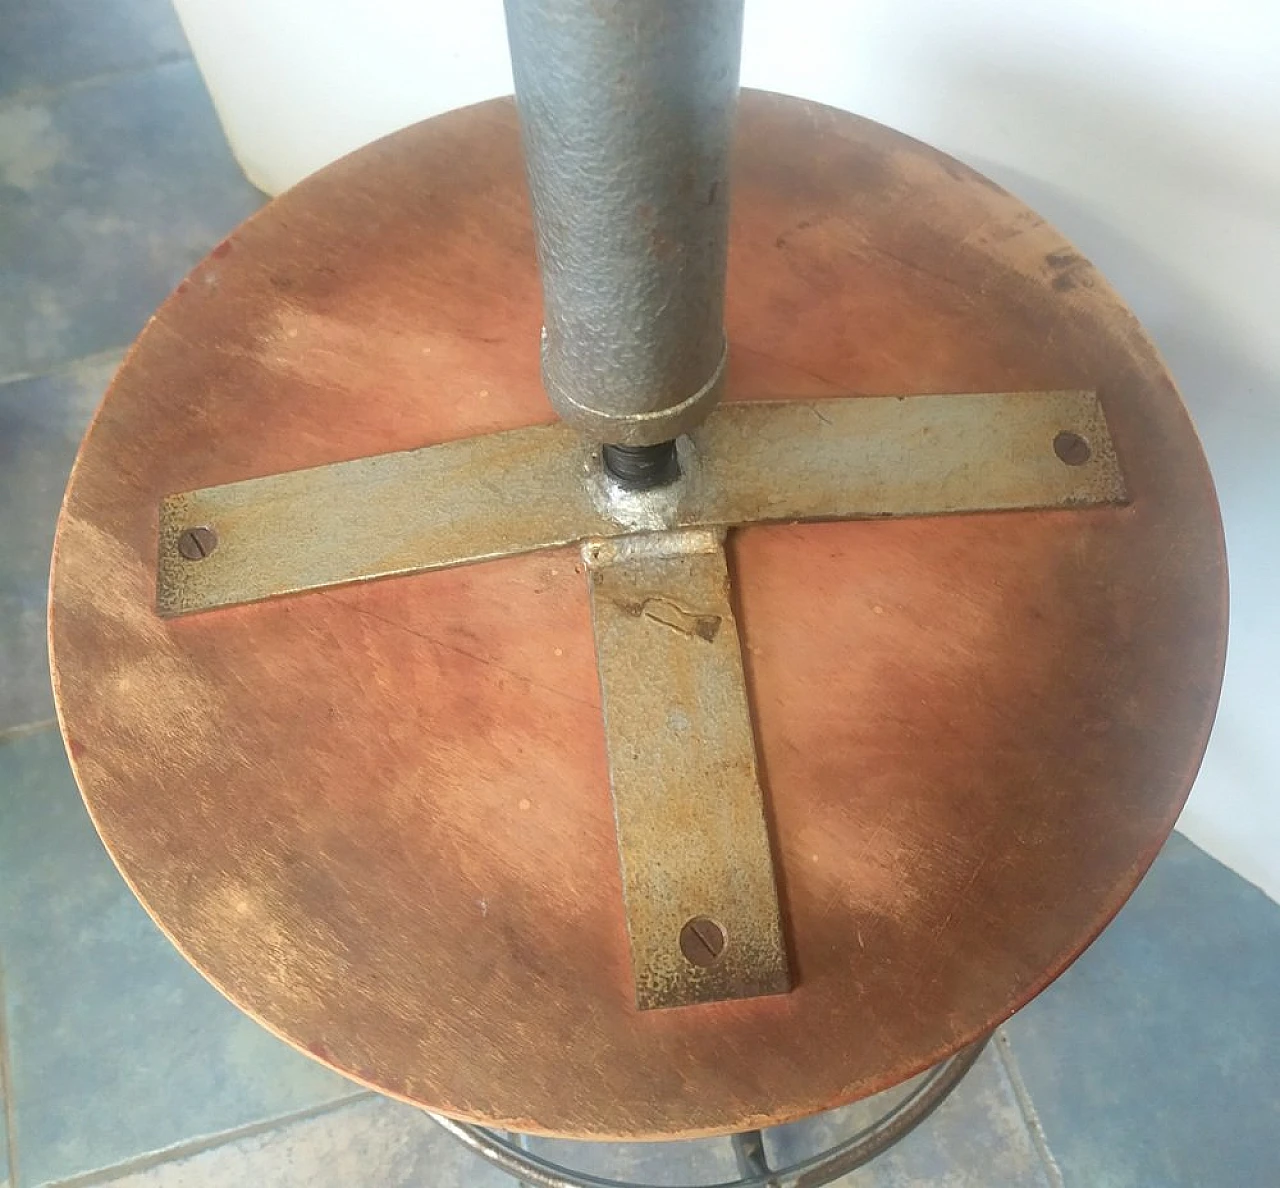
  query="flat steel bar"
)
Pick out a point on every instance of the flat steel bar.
point(399, 513)
point(529, 489)
point(861, 457)
point(697, 867)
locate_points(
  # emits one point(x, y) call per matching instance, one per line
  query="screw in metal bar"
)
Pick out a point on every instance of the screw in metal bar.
point(1071, 448)
point(195, 544)
point(702, 941)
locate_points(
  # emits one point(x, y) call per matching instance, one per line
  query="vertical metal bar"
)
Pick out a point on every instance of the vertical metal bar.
point(697, 869)
point(627, 112)
point(748, 1153)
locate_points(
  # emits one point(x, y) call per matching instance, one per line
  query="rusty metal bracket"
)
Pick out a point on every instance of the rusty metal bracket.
point(697, 874)
point(701, 903)
point(530, 489)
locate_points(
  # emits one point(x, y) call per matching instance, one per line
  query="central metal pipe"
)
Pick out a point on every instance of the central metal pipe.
point(626, 112)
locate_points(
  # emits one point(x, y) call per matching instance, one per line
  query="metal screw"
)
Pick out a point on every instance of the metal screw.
point(1071, 448)
point(702, 941)
point(195, 544)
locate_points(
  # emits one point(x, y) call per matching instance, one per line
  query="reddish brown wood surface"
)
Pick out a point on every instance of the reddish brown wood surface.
point(378, 818)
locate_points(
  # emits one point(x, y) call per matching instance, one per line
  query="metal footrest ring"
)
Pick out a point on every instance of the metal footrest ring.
point(822, 1168)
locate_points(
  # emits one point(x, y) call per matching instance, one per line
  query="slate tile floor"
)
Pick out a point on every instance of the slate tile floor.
point(1152, 1063)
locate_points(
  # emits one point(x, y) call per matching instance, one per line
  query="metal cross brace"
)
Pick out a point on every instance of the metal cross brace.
point(697, 870)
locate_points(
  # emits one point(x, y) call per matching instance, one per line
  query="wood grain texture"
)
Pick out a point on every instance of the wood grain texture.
point(378, 818)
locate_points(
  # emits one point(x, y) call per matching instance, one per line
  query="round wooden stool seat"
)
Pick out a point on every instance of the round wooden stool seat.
point(378, 817)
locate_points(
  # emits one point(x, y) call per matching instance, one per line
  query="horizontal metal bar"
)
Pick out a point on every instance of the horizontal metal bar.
point(529, 489)
point(399, 513)
point(697, 870)
point(866, 457)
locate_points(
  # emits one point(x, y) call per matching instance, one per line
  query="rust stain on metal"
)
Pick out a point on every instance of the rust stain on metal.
point(671, 614)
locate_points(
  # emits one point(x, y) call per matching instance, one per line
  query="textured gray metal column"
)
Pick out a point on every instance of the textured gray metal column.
point(626, 109)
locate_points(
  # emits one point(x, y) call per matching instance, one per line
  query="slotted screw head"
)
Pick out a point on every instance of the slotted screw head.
point(195, 544)
point(1071, 448)
point(702, 941)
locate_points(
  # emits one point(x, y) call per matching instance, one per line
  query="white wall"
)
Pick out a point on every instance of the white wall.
point(1148, 131)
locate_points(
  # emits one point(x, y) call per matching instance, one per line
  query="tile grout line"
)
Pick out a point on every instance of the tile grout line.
point(184, 1150)
point(6, 1088)
point(44, 94)
point(61, 365)
point(26, 729)
point(141, 1163)
point(1004, 1051)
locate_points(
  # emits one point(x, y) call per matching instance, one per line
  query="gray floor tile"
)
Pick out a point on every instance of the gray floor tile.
point(372, 1143)
point(41, 423)
point(977, 1137)
point(49, 43)
point(1154, 1060)
point(118, 1047)
point(110, 194)
point(5, 1181)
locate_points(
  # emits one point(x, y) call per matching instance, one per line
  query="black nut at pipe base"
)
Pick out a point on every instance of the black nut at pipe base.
point(641, 468)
